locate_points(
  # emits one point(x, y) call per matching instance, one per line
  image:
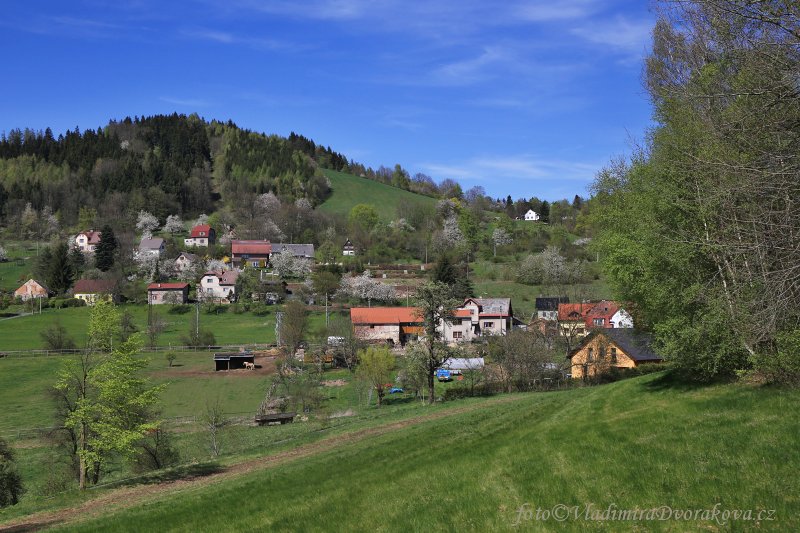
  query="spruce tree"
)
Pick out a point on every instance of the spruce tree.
point(59, 273)
point(104, 254)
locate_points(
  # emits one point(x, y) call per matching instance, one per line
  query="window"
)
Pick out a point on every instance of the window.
point(590, 357)
point(372, 326)
point(613, 356)
point(255, 263)
point(457, 335)
point(602, 353)
point(202, 233)
point(488, 324)
point(599, 321)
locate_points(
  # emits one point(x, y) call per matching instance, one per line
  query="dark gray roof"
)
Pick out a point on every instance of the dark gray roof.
point(494, 306)
point(550, 303)
point(299, 250)
point(638, 345)
point(151, 244)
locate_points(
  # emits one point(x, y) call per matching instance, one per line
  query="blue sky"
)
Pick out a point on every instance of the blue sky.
point(521, 97)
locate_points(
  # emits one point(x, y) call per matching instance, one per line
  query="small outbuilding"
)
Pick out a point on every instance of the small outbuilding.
point(232, 360)
point(32, 289)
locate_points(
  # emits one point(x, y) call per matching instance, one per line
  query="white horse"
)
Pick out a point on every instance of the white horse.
point(249, 366)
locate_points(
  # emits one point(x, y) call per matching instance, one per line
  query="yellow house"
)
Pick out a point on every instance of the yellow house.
point(90, 290)
point(605, 349)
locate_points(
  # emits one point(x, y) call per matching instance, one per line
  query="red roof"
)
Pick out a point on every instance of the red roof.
point(203, 230)
point(167, 286)
point(462, 313)
point(573, 311)
point(385, 315)
point(93, 286)
point(251, 247)
point(92, 237)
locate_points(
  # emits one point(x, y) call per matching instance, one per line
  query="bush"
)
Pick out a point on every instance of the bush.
point(56, 337)
point(156, 451)
point(63, 303)
point(179, 309)
point(214, 309)
point(204, 338)
point(481, 389)
point(10, 481)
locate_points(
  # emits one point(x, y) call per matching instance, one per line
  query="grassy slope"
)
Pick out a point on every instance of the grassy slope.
point(349, 190)
point(638, 443)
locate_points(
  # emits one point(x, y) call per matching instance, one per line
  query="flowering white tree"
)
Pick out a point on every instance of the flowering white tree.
point(500, 237)
point(215, 265)
point(365, 287)
point(146, 223)
point(451, 235)
point(285, 264)
point(202, 219)
point(147, 265)
point(174, 224)
point(267, 203)
point(401, 225)
point(50, 223)
point(303, 204)
point(272, 231)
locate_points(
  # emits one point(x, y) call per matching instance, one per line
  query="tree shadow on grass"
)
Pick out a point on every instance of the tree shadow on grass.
point(677, 380)
point(397, 400)
point(177, 473)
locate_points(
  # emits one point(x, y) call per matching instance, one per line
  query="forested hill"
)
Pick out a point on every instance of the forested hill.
point(166, 163)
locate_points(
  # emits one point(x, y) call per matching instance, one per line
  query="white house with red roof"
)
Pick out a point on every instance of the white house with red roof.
point(201, 235)
point(218, 285)
point(167, 293)
point(87, 241)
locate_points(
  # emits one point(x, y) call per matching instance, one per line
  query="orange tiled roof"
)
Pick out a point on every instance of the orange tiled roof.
point(385, 315)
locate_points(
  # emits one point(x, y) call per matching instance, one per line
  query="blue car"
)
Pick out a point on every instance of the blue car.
point(395, 390)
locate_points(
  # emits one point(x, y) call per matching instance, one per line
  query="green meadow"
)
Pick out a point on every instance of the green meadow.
point(488, 465)
point(349, 190)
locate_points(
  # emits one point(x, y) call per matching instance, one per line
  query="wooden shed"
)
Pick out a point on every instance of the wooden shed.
point(232, 360)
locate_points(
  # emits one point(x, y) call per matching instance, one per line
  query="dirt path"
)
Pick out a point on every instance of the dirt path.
point(127, 497)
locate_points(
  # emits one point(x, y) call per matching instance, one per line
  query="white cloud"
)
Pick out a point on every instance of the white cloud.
point(621, 34)
point(185, 102)
point(490, 169)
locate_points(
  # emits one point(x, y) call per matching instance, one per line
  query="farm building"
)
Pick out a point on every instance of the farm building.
point(201, 235)
point(90, 290)
point(464, 363)
point(167, 293)
point(604, 349)
point(395, 325)
point(298, 250)
point(31, 289)
point(232, 360)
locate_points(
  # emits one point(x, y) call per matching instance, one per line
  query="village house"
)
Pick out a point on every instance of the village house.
point(218, 286)
point(201, 235)
point(31, 289)
point(252, 253)
point(167, 293)
point(490, 316)
point(572, 319)
point(91, 290)
point(393, 325)
point(87, 241)
point(186, 261)
point(532, 215)
point(576, 320)
point(458, 327)
point(605, 349)
point(348, 248)
point(298, 250)
point(152, 246)
point(547, 307)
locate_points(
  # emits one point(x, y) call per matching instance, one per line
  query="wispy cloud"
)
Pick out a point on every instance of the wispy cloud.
point(224, 37)
point(548, 10)
point(185, 102)
point(491, 169)
point(621, 34)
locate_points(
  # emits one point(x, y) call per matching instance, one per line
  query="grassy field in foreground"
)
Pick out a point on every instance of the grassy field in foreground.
point(641, 443)
point(349, 190)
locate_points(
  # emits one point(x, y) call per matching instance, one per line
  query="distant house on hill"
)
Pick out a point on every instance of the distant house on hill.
point(32, 289)
point(219, 286)
point(91, 290)
point(395, 325)
point(348, 248)
point(186, 261)
point(532, 215)
point(201, 235)
point(298, 250)
point(167, 293)
point(605, 349)
point(152, 246)
point(253, 253)
point(87, 241)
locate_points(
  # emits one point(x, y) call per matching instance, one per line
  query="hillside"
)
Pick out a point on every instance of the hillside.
point(472, 466)
point(349, 190)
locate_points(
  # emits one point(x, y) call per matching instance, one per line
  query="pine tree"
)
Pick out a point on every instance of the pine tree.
point(104, 254)
point(59, 272)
